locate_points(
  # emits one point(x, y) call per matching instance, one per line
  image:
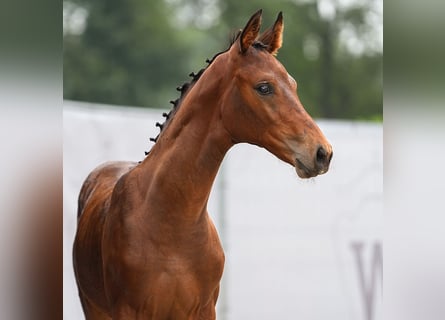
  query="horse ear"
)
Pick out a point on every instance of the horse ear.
point(250, 31)
point(273, 37)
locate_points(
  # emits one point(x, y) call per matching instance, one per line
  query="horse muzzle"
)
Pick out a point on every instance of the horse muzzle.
point(320, 164)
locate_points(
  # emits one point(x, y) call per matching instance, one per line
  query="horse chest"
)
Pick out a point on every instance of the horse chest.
point(191, 285)
point(184, 270)
point(190, 265)
point(171, 283)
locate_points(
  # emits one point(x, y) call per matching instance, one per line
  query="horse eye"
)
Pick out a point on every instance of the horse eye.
point(264, 89)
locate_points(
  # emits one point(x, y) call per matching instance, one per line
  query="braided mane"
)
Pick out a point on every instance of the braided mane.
point(184, 89)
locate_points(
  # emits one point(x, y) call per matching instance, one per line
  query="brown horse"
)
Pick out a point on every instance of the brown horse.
point(145, 246)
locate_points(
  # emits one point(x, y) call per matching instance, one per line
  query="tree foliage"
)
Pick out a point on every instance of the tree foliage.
point(136, 52)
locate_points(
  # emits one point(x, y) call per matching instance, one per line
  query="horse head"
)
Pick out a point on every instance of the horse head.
point(260, 104)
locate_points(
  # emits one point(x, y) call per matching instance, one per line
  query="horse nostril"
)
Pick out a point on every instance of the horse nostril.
point(322, 156)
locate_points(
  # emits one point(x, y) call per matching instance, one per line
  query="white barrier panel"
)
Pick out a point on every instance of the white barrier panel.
point(295, 249)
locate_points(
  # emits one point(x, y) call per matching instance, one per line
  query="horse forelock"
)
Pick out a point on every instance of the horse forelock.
point(259, 45)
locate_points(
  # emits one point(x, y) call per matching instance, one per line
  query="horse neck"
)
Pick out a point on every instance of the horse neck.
point(179, 172)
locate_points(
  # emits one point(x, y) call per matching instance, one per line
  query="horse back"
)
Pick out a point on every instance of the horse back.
point(102, 180)
point(93, 203)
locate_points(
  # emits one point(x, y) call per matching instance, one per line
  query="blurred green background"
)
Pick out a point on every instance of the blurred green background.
point(136, 52)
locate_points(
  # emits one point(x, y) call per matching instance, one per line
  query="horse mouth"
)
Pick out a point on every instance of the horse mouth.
point(303, 171)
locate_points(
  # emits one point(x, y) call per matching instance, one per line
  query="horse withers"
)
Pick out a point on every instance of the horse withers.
point(145, 246)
